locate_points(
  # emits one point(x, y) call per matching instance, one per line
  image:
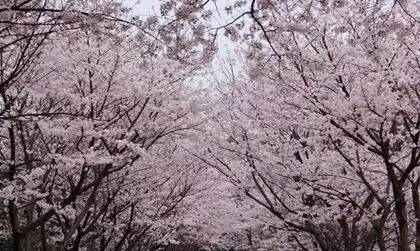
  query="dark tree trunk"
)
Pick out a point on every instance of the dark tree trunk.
point(14, 223)
point(416, 204)
point(401, 214)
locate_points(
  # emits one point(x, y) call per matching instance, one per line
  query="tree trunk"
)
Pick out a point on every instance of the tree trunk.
point(43, 238)
point(416, 204)
point(77, 240)
point(29, 240)
point(379, 235)
point(14, 223)
point(13, 214)
point(401, 214)
point(400, 208)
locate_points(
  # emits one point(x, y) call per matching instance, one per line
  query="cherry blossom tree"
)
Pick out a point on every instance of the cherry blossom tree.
point(94, 125)
point(323, 131)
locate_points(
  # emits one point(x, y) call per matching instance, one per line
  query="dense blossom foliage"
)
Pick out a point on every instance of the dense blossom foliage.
point(93, 124)
point(323, 132)
point(308, 139)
